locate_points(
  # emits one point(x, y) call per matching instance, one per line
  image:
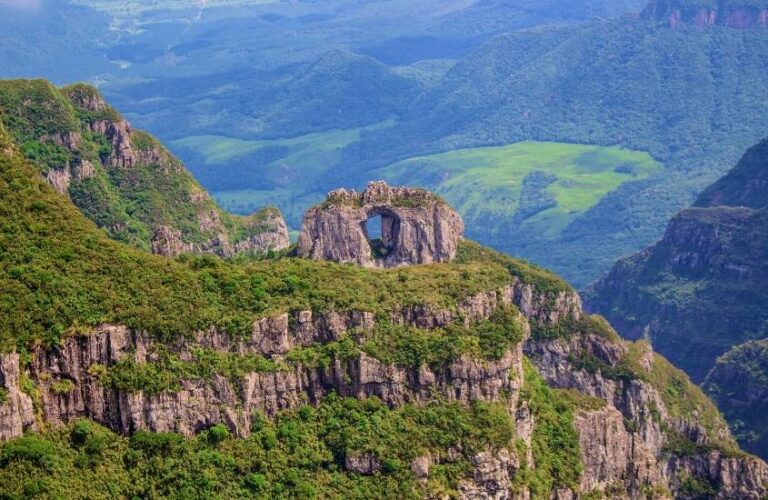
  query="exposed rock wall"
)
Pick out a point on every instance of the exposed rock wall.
point(417, 228)
point(16, 411)
point(622, 461)
point(735, 15)
point(625, 442)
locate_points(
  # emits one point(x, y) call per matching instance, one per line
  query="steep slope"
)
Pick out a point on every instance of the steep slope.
point(125, 180)
point(737, 14)
point(700, 290)
point(738, 383)
point(744, 186)
point(305, 378)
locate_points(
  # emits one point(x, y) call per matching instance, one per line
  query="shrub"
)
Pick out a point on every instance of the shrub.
point(160, 443)
point(81, 431)
point(218, 433)
point(257, 483)
point(63, 386)
point(32, 449)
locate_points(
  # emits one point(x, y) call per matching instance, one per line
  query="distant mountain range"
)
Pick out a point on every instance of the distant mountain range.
point(282, 102)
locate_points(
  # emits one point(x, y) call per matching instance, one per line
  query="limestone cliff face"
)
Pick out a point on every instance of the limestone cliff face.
point(417, 228)
point(624, 445)
point(629, 441)
point(266, 230)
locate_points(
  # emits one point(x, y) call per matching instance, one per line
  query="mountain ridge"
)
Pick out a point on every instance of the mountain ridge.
point(329, 379)
point(125, 180)
point(700, 285)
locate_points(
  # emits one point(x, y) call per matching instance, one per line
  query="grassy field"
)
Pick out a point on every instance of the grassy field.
point(486, 183)
point(318, 148)
point(301, 162)
point(519, 197)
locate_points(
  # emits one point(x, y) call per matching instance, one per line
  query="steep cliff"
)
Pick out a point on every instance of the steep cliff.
point(700, 290)
point(738, 383)
point(125, 180)
point(135, 375)
point(737, 14)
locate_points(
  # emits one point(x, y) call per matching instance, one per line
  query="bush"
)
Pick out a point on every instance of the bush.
point(218, 433)
point(80, 433)
point(32, 449)
point(257, 483)
point(151, 443)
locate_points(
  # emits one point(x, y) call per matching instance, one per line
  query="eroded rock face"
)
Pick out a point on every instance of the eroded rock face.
point(622, 443)
point(417, 228)
point(735, 15)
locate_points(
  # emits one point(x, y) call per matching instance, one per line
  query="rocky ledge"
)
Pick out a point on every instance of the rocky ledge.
point(627, 434)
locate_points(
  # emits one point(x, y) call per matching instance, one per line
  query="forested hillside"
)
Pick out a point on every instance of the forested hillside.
point(125, 180)
point(699, 292)
point(128, 374)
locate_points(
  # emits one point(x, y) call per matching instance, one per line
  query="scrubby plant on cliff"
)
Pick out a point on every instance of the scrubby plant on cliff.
point(555, 443)
point(409, 347)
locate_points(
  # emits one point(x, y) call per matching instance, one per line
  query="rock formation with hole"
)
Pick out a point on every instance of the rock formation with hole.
point(418, 227)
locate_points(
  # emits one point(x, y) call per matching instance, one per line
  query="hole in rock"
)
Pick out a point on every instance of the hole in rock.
point(382, 229)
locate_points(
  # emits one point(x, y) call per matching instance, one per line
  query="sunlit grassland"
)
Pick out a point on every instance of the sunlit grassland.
point(489, 180)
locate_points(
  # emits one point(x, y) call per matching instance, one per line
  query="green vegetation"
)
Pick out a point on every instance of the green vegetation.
point(300, 454)
point(555, 441)
point(500, 183)
point(62, 130)
point(738, 383)
point(409, 347)
point(59, 275)
point(580, 401)
point(567, 327)
point(166, 373)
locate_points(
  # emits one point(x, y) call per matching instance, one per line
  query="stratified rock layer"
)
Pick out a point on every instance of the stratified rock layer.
point(417, 228)
point(624, 445)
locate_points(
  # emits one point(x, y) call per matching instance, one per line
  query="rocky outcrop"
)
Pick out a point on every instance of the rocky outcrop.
point(170, 213)
point(265, 231)
point(417, 228)
point(59, 179)
point(627, 442)
point(672, 293)
point(735, 15)
point(118, 133)
point(738, 383)
point(492, 476)
point(623, 444)
point(81, 360)
point(16, 409)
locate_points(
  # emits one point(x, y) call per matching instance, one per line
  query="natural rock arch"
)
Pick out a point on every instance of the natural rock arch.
point(418, 227)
